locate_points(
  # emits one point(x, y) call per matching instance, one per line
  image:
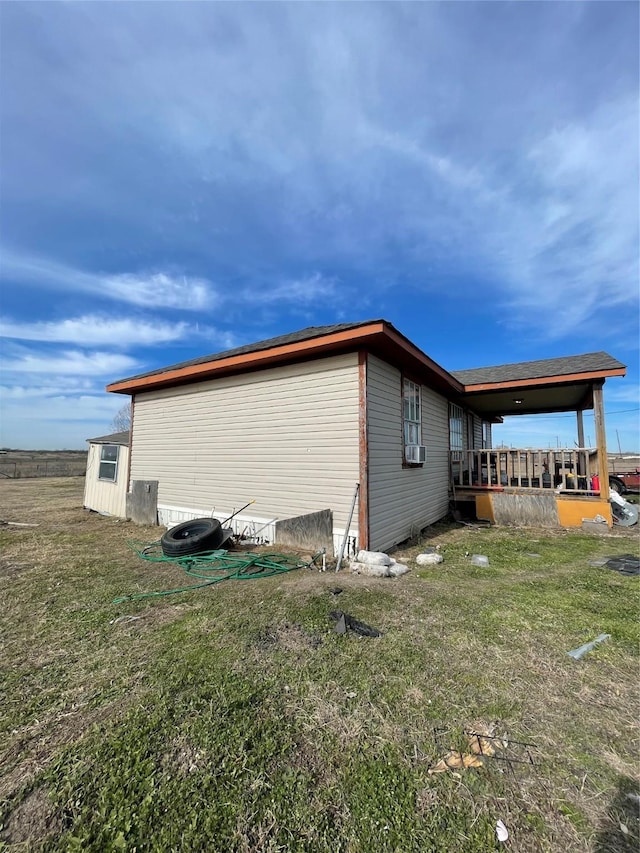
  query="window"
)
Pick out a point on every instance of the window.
point(108, 462)
point(486, 435)
point(455, 428)
point(411, 412)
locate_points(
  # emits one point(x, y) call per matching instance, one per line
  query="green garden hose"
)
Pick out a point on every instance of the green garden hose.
point(215, 566)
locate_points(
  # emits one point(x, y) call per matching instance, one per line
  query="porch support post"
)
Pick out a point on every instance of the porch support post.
point(582, 457)
point(601, 440)
point(580, 428)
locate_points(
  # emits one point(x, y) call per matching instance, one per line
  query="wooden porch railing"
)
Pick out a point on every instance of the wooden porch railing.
point(574, 470)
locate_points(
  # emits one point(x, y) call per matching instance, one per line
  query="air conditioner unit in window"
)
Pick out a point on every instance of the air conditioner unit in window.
point(415, 453)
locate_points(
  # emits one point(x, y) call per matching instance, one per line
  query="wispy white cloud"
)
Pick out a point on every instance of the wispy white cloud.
point(556, 232)
point(27, 390)
point(93, 330)
point(302, 292)
point(72, 362)
point(466, 178)
point(574, 240)
point(62, 407)
point(155, 289)
point(161, 290)
point(624, 391)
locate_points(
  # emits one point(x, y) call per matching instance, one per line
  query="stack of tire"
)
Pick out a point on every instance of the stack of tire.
point(194, 537)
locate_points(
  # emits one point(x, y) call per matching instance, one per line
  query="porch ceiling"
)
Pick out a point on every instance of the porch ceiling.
point(535, 400)
point(538, 387)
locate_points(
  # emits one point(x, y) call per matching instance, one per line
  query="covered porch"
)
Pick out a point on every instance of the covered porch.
point(559, 487)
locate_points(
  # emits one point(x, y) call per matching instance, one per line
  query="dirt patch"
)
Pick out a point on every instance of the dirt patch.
point(34, 819)
point(153, 617)
point(182, 758)
point(426, 799)
point(303, 583)
point(290, 638)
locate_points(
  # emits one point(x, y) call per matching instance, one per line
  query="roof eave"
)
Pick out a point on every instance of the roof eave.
point(377, 335)
point(546, 380)
point(247, 361)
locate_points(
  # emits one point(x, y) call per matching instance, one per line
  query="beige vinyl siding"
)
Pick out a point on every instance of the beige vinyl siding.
point(403, 500)
point(104, 495)
point(286, 437)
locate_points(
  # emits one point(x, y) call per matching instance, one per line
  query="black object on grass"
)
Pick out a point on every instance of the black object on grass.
point(626, 564)
point(345, 623)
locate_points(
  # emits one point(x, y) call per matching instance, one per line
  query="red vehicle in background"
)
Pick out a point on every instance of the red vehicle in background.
point(623, 482)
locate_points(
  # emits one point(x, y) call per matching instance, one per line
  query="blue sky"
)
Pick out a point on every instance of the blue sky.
point(177, 179)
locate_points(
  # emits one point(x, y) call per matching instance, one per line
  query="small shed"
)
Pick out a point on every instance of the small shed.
point(106, 480)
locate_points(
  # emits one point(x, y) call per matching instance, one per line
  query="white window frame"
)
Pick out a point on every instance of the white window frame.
point(456, 430)
point(411, 413)
point(109, 462)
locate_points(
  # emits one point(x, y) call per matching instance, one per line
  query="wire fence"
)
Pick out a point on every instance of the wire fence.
point(46, 468)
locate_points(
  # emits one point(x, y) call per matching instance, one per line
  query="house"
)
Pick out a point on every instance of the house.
point(106, 479)
point(293, 423)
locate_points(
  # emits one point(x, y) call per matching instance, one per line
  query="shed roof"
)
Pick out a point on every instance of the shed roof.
point(591, 362)
point(114, 438)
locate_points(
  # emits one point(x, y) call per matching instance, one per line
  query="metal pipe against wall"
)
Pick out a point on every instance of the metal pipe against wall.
point(346, 532)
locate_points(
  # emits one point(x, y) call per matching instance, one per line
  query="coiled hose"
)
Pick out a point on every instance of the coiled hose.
point(215, 567)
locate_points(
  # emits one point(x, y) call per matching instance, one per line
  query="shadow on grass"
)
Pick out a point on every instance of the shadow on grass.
point(621, 829)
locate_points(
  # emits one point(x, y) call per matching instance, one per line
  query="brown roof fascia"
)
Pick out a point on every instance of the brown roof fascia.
point(439, 373)
point(251, 360)
point(378, 336)
point(546, 380)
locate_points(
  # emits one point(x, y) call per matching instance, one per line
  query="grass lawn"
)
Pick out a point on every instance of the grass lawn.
point(233, 718)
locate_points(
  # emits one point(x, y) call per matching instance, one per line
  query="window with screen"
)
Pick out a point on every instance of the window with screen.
point(455, 428)
point(411, 412)
point(108, 462)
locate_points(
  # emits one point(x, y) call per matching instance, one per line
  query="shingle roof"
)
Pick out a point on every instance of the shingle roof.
point(114, 438)
point(590, 362)
point(281, 340)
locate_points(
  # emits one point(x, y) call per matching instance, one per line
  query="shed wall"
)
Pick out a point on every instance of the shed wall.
point(286, 437)
point(403, 500)
point(104, 495)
